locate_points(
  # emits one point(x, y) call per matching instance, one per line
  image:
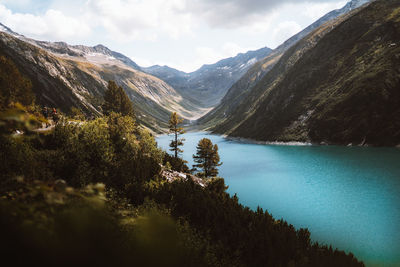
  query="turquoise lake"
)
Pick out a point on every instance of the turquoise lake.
point(346, 196)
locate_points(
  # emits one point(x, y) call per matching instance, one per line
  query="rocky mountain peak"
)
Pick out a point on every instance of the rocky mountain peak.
point(61, 44)
point(102, 49)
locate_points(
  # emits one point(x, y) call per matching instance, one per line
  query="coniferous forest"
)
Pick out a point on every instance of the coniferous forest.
point(92, 193)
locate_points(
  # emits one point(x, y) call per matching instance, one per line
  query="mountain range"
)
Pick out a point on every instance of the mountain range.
point(244, 85)
point(66, 76)
point(333, 82)
point(338, 85)
point(209, 84)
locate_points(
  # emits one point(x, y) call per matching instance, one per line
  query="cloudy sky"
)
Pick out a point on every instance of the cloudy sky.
point(183, 34)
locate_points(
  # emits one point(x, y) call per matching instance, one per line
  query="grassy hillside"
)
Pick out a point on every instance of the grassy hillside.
point(244, 86)
point(70, 79)
point(340, 88)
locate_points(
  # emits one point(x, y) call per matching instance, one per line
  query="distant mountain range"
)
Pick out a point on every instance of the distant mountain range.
point(209, 84)
point(340, 84)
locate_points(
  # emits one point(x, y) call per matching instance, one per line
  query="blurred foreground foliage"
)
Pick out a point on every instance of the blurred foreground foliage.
point(21, 118)
point(91, 193)
point(44, 224)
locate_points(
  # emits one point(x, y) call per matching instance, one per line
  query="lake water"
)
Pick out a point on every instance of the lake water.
point(346, 196)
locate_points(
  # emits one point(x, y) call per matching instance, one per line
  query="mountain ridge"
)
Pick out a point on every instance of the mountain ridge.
point(210, 79)
point(76, 76)
point(342, 90)
point(242, 88)
point(100, 55)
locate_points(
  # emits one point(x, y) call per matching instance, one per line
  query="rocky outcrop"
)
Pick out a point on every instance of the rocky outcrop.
point(171, 176)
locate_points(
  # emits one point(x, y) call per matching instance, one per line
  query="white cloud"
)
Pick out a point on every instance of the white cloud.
point(288, 19)
point(145, 62)
point(147, 20)
point(210, 55)
point(124, 20)
point(284, 31)
point(133, 19)
point(207, 55)
point(53, 24)
point(231, 49)
point(17, 3)
point(236, 13)
point(315, 11)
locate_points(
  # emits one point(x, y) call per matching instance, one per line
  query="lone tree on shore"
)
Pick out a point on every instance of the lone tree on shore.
point(174, 128)
point(116, 100)
point(207, 158)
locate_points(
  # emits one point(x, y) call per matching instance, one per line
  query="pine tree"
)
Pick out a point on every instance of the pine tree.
point(116, 100)
point(207, 158)
point(174, 128)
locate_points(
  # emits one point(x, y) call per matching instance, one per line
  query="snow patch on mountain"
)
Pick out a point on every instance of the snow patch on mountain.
point(2, 28)
point(248, 63)
point(355, 4)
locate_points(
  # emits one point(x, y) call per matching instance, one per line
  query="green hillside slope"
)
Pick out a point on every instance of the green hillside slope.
point(64, 80)
point(343, 89)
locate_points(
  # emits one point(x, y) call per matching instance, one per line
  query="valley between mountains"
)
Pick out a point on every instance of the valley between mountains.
point(335, 82)
point(106, 162)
